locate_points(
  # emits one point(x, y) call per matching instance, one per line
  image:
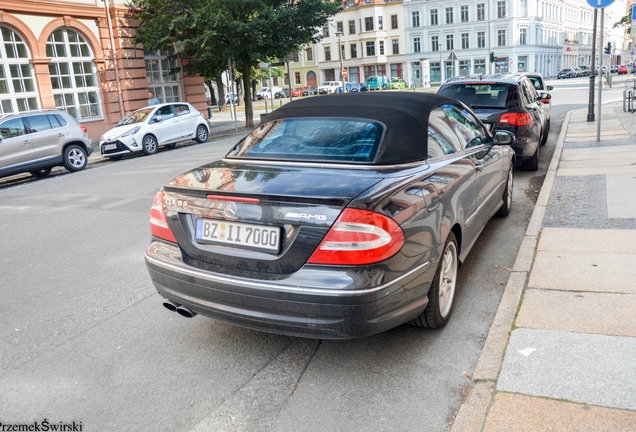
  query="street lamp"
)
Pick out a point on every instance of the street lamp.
point(344, 87)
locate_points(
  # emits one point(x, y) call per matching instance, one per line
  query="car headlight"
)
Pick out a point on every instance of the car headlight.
point(132, 131)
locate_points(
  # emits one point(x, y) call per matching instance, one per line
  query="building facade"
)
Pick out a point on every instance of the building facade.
point(78, 56)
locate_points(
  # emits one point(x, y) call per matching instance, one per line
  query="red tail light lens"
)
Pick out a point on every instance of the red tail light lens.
point(359, 237)
point(83, 128)
point(516, 119)
point(545, 101)
point(158, 223)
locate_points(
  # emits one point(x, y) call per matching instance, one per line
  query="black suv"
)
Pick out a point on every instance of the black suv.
point(508, 102)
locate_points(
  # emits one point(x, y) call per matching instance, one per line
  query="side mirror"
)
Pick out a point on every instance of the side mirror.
point(550, 88)
point(504, 137)
point(158, 119)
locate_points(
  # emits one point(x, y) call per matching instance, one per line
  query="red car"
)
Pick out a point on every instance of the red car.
point(622, 69)
point(299, 91)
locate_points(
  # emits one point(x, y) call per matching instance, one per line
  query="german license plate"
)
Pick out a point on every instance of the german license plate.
point(110, 146)
point(238, 234)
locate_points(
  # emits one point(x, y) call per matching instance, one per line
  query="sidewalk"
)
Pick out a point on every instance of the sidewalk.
point(561, 353)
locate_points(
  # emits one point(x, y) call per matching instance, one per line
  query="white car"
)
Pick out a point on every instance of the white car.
point(266, 92)
point(148, 128)
point(329, 87)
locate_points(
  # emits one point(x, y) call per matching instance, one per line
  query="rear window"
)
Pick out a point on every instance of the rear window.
point(478, 95)
point(312, 139)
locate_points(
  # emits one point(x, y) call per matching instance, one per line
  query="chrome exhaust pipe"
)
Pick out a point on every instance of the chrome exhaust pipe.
point(185, 312)
point(170, 305)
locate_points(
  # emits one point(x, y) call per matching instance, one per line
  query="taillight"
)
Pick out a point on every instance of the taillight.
point(516, 119)
point(545, 101)
point(359, 237)
point(83, 128)
point(158, 223)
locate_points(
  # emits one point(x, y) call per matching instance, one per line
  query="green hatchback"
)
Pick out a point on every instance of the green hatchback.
point(397, 83)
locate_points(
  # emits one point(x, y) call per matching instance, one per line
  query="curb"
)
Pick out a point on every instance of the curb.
point(473, 412)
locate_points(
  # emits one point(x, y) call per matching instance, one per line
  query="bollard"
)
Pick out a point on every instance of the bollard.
point(209, 112)
point(265, 106)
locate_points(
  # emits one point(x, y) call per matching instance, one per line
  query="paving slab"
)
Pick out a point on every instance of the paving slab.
point(584, 271)
point(518, 413)
point(621, 195)
point(599, 151)
point(630, 169)
point(578, 367)
point(587, 240)
point(582, 312)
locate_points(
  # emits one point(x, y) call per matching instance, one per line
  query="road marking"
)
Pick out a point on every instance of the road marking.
point(118, 203)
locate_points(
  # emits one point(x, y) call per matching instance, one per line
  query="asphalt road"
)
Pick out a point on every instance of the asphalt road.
point(84, 337)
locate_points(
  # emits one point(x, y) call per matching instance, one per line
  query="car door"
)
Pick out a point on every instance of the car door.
point(48, 137)
point(165, 125)
point(187, 120)
point(535, 108)
point(16, 148)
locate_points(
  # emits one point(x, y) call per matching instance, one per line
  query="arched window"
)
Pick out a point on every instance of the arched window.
point(162, 74)
point(17, 84)
point(73, 77)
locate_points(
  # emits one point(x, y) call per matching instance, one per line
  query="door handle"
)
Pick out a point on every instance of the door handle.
point(479, 166)
point(27, 141)
point(60, 134)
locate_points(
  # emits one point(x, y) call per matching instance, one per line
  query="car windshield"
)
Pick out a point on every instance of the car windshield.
point(325, 83)
point(312, 139)
point(135, 117)
point(371, 79)
point(478, 95)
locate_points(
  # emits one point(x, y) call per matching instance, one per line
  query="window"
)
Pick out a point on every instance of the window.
point(352, 27)
point(297, 77)
point(325, 30)
point(522, 36)
point(327, 53)
point(17, 84)
point(501, 37)
point(12, 128)
point(161, 81)
point(449, 15)
point(501, 9)
point(464, 13)
point(396, 70)
point(381, 47)
point(339, 27)
point(368, 24)
point(394, 22)
point(342, 52)
point(415, 19)
point(464, 67)
point(434, 43)
point(354, 50)
point(75, 87)
point(481, 39)
point(395, 43)
point(465, 43)
point(416, 45)
point(449, 42)
point(181, 109)
point(370, 48)
point(481, 12)
point(434, 20)
point(380, 25)
point(480, 66)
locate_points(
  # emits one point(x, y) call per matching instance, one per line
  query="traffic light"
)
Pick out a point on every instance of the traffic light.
point(608, 48)
point(492, 57)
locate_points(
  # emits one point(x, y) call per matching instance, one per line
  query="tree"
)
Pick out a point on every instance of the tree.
point(248, 31)
point(625, 21)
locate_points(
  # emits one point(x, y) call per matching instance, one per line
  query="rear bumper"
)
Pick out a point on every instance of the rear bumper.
point(293, 309)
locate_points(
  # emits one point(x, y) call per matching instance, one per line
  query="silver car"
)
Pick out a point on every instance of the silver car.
point(36, 142)
point(148, 128)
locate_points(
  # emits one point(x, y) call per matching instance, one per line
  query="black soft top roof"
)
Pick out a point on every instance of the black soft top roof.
point(405, 115)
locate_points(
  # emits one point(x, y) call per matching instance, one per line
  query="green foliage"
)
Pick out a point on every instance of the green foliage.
point(249, 31)
point(625, 21)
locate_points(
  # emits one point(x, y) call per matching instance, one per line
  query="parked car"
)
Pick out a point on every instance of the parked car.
point(576, 72)
point(282, 93)
point(564, 73)
point(614, 68)
point(310, 91)
point(397, 83)
point(344, 216)
point(35, 142)
point(233, 98)
point(586, 70)
point(299, 91)
point(352, 87)
point(622, 70)
point(539, 84)
point(508, 102)
point(266, 92)
point(146, 129)
point(329, 87)
point(377, 82)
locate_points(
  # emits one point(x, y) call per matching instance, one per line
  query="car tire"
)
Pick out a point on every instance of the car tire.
point(41, 173)
point(75, 158)
point(532, 164)
point(150, 145)
point(546, 133)
point(441, 294)
point(201, 134)
point(507, 194)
